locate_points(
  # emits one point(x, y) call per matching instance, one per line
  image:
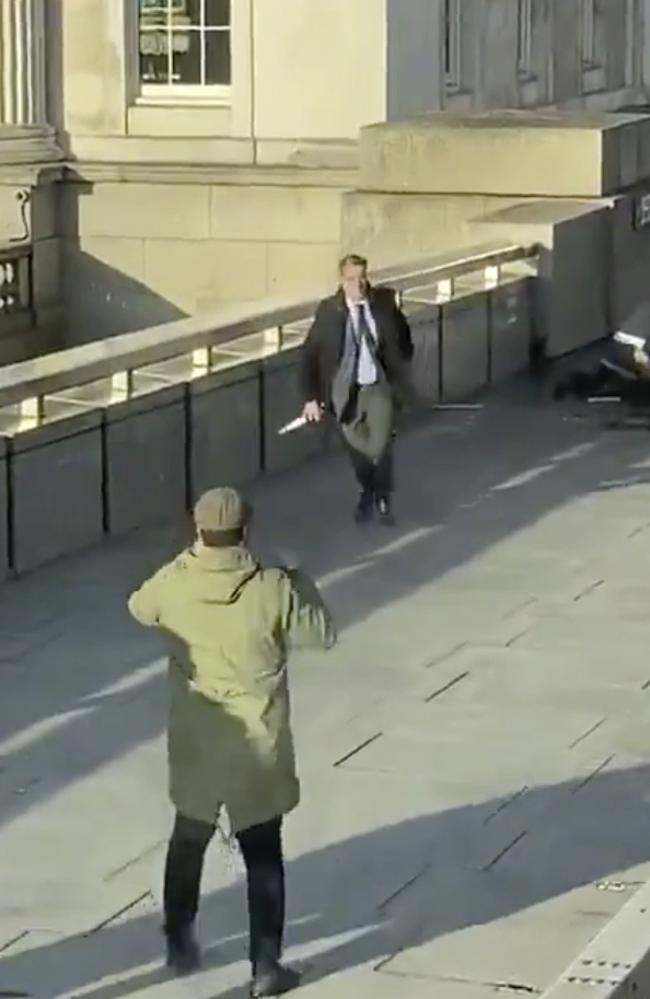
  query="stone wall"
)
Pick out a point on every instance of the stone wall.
point(140, 252)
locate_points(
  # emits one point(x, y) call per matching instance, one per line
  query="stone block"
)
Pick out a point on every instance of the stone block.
point(282, 403)
point(557, 154)
point(47, 272)
point(290, 213)
point(163, 211)
point(146, 460)
point(197, 274)
point(124, 256)
point(510, 328)
point(630, 261)
point(225, 428)
point(105, 291)
point(464, 346)
point(301, 269)
point(296, 94)
point(56, 487)
point(389, 228)
point(576, 268)
point(4, 512)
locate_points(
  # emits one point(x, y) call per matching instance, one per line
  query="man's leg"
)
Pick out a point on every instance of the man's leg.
point(364, 470)
point(380, 416)
point(183, 870)
point(261, 848)
point(355, 436)
point(369, 438)
point(384, 483)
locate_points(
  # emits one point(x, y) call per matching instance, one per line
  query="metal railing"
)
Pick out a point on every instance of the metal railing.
point(16, 281)
point(117, 369)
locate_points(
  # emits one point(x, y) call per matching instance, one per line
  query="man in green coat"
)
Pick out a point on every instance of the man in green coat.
point(229, 624)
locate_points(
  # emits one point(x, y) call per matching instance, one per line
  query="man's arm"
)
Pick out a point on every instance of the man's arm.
point(145, 603)
point(306, 620)
point(404, 337)
point(310, 379)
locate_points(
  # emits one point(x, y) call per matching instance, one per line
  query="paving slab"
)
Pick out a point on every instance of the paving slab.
point(475, 754)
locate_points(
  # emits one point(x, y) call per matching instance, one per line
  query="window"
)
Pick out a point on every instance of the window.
point(632, 37)
point(524, 37)
point(452, 44)
point(184, 47)
point(589, 53)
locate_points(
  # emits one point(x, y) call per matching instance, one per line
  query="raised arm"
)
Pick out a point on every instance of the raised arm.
point(307, 622)
point(146, 603)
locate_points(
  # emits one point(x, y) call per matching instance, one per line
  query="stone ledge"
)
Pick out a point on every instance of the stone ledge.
point(215, 174)
point(210, 150)
point(28, 144)
point(617, 962)
point(523, 154)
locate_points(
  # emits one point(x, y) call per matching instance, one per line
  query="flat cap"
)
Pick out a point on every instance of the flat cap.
point(220, 510)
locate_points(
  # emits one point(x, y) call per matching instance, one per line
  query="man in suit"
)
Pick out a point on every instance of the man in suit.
point(354, 365)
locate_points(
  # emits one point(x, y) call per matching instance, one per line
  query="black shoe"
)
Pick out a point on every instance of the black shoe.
point(275, 982)
point(364, 511)
point(385, 513)
point(183, 952)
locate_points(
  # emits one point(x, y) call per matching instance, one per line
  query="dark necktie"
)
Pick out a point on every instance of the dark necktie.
point(363, 330)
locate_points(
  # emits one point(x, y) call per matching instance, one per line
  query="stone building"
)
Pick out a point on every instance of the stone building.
point(183, 153)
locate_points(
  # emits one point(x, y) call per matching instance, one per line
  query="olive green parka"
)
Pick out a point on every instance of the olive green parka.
point(230, 624)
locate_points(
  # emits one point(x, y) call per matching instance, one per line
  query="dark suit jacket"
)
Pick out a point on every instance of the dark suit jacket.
point(325, 341)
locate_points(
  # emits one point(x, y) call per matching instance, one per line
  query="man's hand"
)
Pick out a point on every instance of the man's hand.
point(313, 412)
point(641, 358)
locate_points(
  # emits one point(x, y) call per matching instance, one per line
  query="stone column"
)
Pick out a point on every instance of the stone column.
point(22, 62)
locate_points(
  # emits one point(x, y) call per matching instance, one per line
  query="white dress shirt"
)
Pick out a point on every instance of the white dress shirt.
point(368, 374)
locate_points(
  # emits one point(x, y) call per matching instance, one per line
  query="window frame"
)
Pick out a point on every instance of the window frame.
point(525, 39)
point(631, 43)
point(174, 94)
point(451, 46)
point(589, 35)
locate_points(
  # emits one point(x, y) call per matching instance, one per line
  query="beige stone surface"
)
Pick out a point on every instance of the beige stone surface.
point(197, 274)
point(287, 214)
point(124, 255)
point(311, 80)
point(88, 76)
point(179, 121)
point(395, 227)
point(302, 268)
point(170, 149)
point(503, 153)
point(238, 272)
point(172, 211)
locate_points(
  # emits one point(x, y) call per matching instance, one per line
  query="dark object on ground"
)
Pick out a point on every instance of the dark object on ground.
point(617, 377)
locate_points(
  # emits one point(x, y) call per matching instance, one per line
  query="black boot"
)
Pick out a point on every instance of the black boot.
point(275, 981)
point(385, 512)
point(364, 511)
point(183, 952)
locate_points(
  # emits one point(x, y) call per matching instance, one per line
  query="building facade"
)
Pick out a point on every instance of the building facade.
point(203, 146)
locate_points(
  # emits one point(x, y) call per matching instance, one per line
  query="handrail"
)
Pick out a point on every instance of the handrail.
point(121, 354)
point(15, 251)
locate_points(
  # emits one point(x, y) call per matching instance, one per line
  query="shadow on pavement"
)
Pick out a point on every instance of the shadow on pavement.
point(71, 659)
point(577, 833)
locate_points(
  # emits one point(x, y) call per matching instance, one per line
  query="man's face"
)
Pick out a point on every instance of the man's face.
point(354, 281)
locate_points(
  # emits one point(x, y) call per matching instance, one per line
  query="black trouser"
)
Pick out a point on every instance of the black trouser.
point(261, 847)
point(369, 439)
point(374, 477)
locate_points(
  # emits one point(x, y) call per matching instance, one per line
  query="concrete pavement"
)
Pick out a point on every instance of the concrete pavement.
point(475, 754)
